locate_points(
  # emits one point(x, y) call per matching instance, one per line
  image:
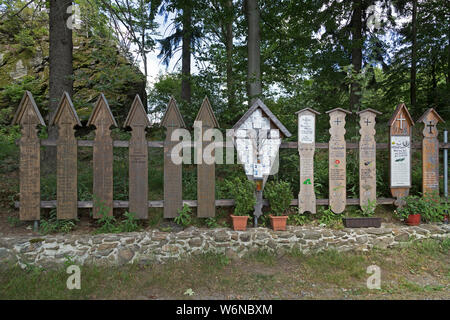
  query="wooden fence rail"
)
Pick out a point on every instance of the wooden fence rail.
point(65, 118)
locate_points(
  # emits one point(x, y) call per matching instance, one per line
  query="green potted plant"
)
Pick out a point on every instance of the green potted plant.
point(243, 192)
point(279, 194)
point(411, 210)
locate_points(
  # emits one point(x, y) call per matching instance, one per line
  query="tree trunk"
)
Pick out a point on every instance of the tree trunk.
point(61, 70)
point(254, 51)
point(355, 90)
point(186, 55)
point(412, 85)
point(229, 49)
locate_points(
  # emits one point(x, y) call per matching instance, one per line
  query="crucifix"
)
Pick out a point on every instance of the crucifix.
point(337, 121)
point(401, 121)
point(430, 125)
point(367, 121)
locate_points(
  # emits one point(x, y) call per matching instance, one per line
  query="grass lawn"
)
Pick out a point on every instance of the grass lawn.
point(420, 270)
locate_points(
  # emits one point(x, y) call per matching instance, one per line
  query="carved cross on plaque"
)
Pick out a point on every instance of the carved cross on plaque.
point(173, 186)
point(367, 157)
point(306, 148)
point(431, 125)
point(66, 118)
point(337, 160)
point(400, 133)
point(103, 119)
point(29, 117)
point(430, 151)
point(401, 119)
point(206, 169)
point(137, 119)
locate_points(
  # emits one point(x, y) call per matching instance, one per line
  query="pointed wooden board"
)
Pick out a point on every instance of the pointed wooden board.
point(137, 119)
point(28, 117)
point(430, 151)
point(103, 119)
point(306, 149)
point(66, 118)
point(173, 183)
point(337, 160)
point(400, 141)
point(206, 172)
point(367, 157)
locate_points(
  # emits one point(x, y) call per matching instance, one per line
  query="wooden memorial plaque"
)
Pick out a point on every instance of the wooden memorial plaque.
point(367, 157)
point(28, 117)
point(337, 160)
point(173, 184)
point(137, 119)
point(103, 119)
point(206, 173)
point(258, 137)
point(430, 151)
point(306, 148)
point(66, 119)
point(400, 134)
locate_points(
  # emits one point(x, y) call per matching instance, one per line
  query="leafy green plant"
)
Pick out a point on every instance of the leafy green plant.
point(130, 224)
point(433, 209)
point(14, 221)
point(106, 222)
point(412, 206)
point(298, 219)
point(184, 217)
point(328, 217)
point(52, 224)
point(279, 194)
point(368, 210)
point(211, 222)
point(243, 192)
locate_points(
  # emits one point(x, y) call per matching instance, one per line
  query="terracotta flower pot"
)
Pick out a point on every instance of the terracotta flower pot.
point(278, 222)
point(413, 220)
point(239, 222)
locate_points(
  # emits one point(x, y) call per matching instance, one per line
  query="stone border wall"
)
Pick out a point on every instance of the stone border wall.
point(155, 246)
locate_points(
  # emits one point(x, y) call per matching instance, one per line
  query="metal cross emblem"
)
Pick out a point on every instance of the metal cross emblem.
point(367, 121)
point(338, 121)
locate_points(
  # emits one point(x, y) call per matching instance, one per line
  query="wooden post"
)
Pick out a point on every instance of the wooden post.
point(137, 119)
point(400, 134)
point(337, 160)
point(103, 119)
point(206, 173)
point(367, 157)
point(173, 184)
point(28, 117)
point(306, 148)
point(66, 118)
point(430, 151)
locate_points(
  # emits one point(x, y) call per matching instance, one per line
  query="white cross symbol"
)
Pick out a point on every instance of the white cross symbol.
point(401, 121)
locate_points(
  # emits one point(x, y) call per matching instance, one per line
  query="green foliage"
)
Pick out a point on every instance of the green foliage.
point(328, 217)
point(434, 207)
point(14, 221)
point(429, 206)
point(243, 192)
point(298, 219)
point(368, 210)
point(211, 222)
point(130, 224)
point(184, 217)
point(279, 194)
point(52, 224)
point(109, 224)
